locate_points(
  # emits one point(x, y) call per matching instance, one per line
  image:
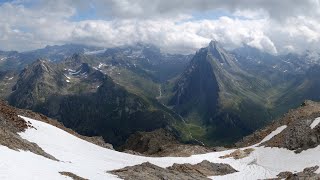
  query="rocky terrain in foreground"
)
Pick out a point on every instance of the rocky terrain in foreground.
point(307, 174)
point(44, 148)
point(299, 134)
point(198, 171)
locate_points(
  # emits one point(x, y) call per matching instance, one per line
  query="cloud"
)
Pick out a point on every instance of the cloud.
point(146, 8)
point(266, 25)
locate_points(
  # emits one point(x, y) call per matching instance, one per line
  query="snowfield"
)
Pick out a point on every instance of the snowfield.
point(91, 161)
point(315, 123)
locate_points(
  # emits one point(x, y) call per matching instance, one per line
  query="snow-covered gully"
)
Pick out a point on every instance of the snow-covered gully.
point(91, 161)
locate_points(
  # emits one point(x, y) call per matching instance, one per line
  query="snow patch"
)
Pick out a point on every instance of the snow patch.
point(101, 65)
point(315, 123)
point(273, 133)
point(45, 67)
point(67, 77)
point(4, 58)
point(95, 52)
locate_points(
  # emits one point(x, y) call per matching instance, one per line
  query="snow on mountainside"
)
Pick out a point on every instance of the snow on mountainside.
point(94, 162)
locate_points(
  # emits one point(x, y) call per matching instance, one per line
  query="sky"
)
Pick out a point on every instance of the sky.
point(176, 26)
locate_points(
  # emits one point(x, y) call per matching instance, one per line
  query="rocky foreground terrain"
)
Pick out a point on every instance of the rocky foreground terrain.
point(302, 130)
point(42, 147)
point(176, 171)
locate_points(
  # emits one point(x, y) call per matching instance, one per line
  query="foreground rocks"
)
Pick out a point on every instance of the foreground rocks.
point(298, 135)
point(306, 174)
point(71, 175)
point(161, 142)
point(239, 154)
point(176, 171)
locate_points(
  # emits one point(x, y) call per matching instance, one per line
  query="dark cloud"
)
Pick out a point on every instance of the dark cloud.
point(277, 9)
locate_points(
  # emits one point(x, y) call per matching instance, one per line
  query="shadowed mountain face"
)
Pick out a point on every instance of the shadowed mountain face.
point(224, 95)
point(198, 88)
point(215, 97)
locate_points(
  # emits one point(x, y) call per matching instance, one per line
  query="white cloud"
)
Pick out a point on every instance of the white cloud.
point(25, 28)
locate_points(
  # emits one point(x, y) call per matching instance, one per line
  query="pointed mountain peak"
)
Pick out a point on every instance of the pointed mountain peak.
point(214, 43)
point(40, 61)
point(40, 64)
point(216, 51)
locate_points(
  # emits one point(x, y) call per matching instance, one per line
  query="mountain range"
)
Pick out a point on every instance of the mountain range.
point(214, 97)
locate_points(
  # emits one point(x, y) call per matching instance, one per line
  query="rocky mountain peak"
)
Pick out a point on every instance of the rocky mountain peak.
point(219, 54)
point(39, 66)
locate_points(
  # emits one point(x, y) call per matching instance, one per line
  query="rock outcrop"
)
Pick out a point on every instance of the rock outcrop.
point(239, 154)
point(150, 171)
point(306, 174)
